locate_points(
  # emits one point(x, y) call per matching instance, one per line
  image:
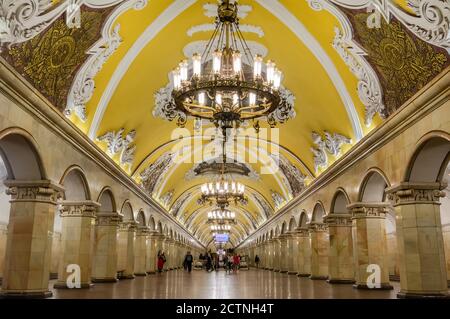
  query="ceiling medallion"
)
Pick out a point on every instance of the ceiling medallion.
point(227, 84)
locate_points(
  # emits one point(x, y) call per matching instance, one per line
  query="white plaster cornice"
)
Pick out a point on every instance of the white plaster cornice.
point(83, 86)
point(168, 15)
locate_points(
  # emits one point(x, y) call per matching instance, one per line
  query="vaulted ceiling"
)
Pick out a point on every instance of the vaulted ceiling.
point(346, 77)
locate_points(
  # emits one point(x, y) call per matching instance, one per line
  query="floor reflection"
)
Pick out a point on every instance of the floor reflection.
point(260, 284)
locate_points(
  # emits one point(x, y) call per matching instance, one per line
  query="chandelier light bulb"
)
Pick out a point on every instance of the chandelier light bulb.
point(270, 71)
point(183, 71)
point(252, 99)
point(219, 99)
point(237, 62)
point(202, 98)
point(176, 78)
point(217, 61)
point(277, 79)
point(197, 64)
point(257, 66)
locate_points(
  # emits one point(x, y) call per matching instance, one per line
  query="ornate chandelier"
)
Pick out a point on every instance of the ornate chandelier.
point(220, 228)
point(221, 216)
point(227, 84)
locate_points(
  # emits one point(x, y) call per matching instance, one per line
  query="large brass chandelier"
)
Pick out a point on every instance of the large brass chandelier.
point(227, 84)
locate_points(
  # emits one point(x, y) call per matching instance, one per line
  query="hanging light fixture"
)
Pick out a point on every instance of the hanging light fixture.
point(222, 216)
point(228, 84)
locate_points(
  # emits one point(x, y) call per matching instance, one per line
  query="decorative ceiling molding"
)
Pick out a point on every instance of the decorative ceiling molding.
point(331, 144)
point(166, 199)
point(116, 143)
point(431, 21)
point(168, 15)
point(199, 47)
point(21, 20)
point(292, 177)
point(240, 157)
point(197, 137)
point(369, 87)
point(152, 176)
point(211, 10)
point(208, 27)
point(286, 17)
point(263, 205)
point(180, 203)
point(277, 199)
point(84, 85)
point(212, 167)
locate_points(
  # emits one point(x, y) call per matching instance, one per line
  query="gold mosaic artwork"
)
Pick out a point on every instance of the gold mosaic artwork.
point(403, 62)
point(50, 60)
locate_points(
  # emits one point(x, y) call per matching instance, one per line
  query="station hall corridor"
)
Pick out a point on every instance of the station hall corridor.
point(308, 138)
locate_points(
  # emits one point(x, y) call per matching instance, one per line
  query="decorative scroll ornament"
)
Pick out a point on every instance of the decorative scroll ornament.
point(166, 198)
point(151, 177)
point(278, 200)
point(292, 177)
point(263, 205)
point(83, 86)
point(165, 107)
point(332, 144)
point(431, 21)
point(369, 87)
point(116, 143)
point(180, 203)
point(21, 20)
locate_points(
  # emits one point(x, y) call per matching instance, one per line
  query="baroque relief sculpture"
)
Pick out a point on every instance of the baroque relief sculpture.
point(278, 200)
point(117, 143)
point(292, 177)
point(166, 198)
point(152, 175)
point(332, 144)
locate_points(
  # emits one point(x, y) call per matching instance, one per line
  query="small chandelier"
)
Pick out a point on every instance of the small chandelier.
point(228, 84)
point(221, 216)
point(220, 228)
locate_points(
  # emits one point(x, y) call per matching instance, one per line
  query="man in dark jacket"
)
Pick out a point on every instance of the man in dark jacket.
point(188, 259)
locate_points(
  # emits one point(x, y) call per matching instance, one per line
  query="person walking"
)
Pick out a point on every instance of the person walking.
point(188, 259)
point(161, 261)
point(257, 261)
point(236, 261)
point(208, 263)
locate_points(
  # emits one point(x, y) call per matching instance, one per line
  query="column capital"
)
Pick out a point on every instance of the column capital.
point(317, 227)
point(368, 210)
point(141, 230)
point(45, 191)
point(338, 220)
point(415, 193)
point(129, 225)
point(108, 219)
point(86, 208)
point(302, 232)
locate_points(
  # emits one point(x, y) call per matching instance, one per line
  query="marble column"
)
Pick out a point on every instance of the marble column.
point(276, 254)
point(293, 241)
point(319, 251)
point(152, 251)
point(125, 250)
point(270, 251)
point(140, 251)
point(104, 267)
point(284, 254)
point(77, 241)
point(370, 245)
point(304, 253)
point(29, 239)
point(340, 254)
point(420, 241)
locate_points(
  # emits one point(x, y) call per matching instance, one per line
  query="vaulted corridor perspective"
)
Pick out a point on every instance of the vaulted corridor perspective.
point(304, 142)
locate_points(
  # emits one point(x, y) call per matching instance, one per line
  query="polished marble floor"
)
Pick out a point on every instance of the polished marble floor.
point(258, 284)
